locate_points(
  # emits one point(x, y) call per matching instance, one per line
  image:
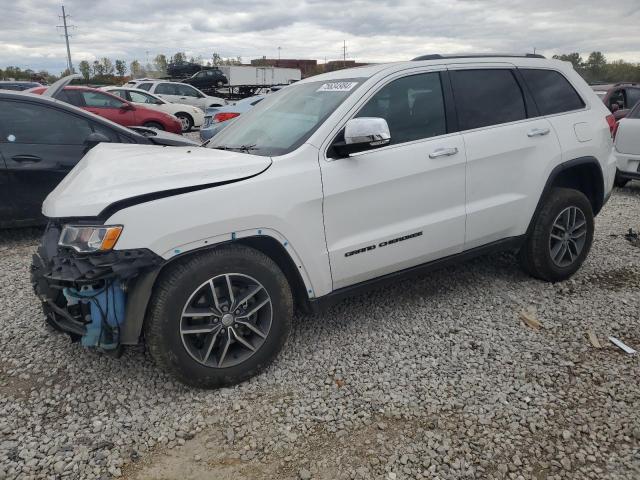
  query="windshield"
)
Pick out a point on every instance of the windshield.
point(285, 120)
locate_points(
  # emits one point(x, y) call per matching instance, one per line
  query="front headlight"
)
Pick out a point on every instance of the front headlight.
point(86, 239)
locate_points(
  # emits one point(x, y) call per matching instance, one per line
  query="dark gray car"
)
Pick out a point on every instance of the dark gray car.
point(42, 139)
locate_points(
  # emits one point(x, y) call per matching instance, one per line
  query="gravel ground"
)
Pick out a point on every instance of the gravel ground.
point(431, 378)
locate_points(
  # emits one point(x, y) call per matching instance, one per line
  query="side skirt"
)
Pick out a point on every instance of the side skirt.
point(323, 303)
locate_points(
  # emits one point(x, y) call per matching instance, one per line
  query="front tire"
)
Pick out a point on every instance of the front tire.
point(561, 236)
point(220, 317)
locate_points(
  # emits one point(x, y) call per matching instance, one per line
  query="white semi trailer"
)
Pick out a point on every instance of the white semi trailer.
point(250, 76)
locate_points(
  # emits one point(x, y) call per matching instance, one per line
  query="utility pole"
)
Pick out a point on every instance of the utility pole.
point(279, 48)
point(344, 53)
point(66, 37)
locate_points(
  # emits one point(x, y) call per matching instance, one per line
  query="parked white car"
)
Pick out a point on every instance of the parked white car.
point(176, 92)
point(188, 115)
point(627, 147)
point(336, 183)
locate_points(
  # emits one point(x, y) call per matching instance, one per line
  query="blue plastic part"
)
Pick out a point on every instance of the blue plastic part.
point(106, 306)
point(233, 236)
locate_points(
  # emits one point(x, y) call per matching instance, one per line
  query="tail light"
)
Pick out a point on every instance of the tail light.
point(613, 125)
point(615, 130)
point(224, 116)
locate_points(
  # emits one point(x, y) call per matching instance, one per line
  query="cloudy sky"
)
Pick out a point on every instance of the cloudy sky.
point(375, 30)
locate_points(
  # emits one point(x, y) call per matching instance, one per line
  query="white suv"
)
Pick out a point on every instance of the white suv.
point(336, 183)
point(177, 92)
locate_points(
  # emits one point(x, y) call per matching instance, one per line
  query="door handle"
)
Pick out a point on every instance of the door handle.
point(537, 132)
point(26, 158)
point(443, 152)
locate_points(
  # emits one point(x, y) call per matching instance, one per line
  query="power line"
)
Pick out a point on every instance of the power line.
point(66, 36)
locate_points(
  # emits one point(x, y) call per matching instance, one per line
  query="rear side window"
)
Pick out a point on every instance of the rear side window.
point(144, 86)
point(487, 97)
point(635, 113)
point(551, 91)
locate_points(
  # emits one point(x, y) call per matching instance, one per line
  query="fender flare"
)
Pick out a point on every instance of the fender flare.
point(599, 186)
point(140, 289)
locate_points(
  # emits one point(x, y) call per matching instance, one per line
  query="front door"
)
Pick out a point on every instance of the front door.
point(6, 202)
point(40, 145)
point(404, 204)
point(170, 93)
point(108, 106)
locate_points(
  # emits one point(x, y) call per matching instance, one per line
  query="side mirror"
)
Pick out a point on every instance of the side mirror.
point(363, 133)
point(94, 139)
point(615, 107)
point(159, 102)
point(127, 106)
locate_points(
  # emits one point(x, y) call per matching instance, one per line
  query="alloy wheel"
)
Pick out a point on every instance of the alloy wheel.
point(568, 236)
point(184, 121)
point(226, 320)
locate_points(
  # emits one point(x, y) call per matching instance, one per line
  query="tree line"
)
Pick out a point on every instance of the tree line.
point(596, 68)
point(108, 71)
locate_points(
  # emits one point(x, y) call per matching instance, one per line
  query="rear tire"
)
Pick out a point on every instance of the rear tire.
point(186, 121)
point(561, 236)
point(155, 125)
point(220, 356)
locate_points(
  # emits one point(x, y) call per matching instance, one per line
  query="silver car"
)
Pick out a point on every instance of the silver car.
point(217, 118)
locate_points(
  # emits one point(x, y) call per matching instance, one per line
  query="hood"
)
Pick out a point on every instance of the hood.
point(112, 173)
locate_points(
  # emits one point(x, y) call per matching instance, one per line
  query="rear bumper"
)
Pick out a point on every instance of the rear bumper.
point(627, 165)
point(87, 296)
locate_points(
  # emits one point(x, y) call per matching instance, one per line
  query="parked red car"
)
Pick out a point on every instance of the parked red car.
point(115, 108)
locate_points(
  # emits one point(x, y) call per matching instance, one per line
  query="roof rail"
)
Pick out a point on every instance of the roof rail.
point(437, 56)
point(619, 84)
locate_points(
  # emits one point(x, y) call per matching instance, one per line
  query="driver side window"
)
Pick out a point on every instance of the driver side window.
point(99, 100)
point(617, 97)
point(412, 106)
point(138, 97)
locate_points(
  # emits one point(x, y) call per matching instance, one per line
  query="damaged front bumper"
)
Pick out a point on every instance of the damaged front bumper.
point(97, 298)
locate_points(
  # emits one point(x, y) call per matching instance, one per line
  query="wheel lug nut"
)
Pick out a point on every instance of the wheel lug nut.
point(237, 312)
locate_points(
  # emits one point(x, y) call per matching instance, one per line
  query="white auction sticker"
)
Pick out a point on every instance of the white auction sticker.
point(337, 87)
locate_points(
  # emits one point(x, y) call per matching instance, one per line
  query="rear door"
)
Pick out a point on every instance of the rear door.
point(509, 148)
point(40, 144)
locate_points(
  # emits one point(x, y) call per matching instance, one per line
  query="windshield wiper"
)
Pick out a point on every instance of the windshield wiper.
point(239, 148)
